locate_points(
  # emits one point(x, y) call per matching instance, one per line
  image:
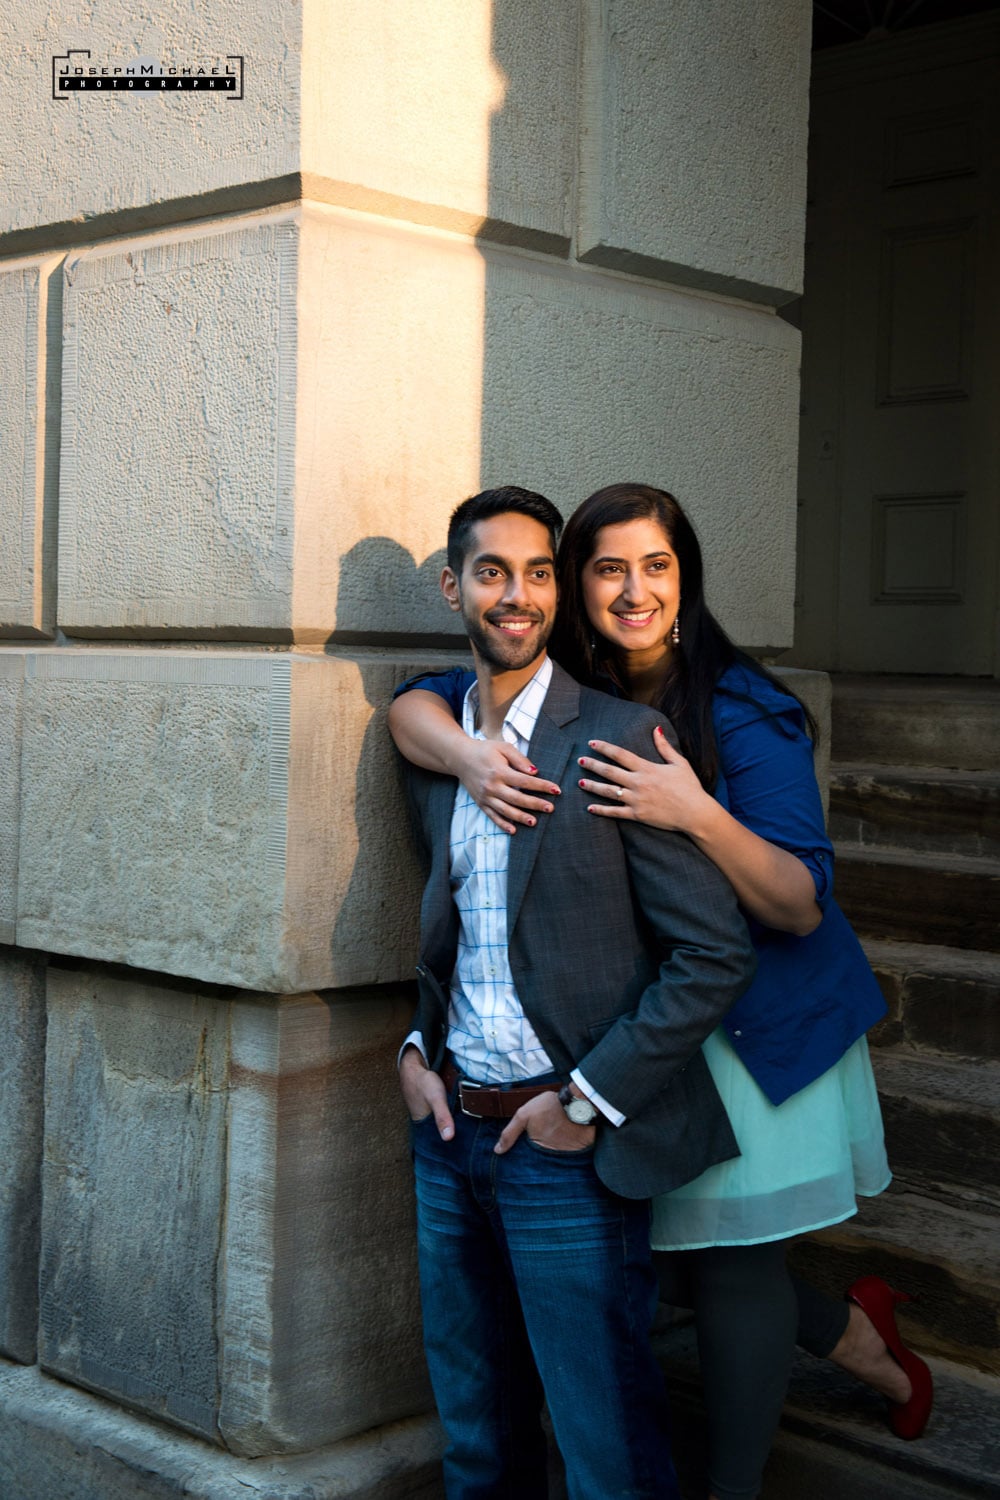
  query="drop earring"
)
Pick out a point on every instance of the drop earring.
point(675, 634)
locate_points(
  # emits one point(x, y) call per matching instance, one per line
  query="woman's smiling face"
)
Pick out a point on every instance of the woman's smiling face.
point(632, 588)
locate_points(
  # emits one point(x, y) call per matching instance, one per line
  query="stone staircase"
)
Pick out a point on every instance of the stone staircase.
point(915, 817)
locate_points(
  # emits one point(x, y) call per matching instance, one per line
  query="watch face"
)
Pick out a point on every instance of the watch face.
point(581, 1111)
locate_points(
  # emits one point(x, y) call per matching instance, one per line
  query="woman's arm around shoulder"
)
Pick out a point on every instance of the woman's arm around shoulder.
point(496, 775)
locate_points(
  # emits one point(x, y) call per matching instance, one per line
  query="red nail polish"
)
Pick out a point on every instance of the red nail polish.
point(581, 783)
point(581, 761)
point(534, 770)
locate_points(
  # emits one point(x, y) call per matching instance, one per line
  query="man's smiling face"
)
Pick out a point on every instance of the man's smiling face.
point(507, 590)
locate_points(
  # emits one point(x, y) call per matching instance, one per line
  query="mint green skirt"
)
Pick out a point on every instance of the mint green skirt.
point(803, 1163)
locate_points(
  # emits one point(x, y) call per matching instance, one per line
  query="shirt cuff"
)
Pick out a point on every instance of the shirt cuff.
point(607, 1110)
point(413, 1040)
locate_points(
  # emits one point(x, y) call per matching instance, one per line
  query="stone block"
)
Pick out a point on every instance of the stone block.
point(227, 1238)
point(693, 148)
point(56, 1441)
point(476, 111)
point(27, 418)
point(11, 706)
point(74, 159)
point(134, 1181)
point(22, 1065)
point(176, 506)
point(199, 813)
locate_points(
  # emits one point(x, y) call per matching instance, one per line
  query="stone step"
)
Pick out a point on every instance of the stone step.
point(940, 1000)
point(942, 1124)
point(944, 1255)
point(834, 1441)
point(908, 896)
point(942, 811)
point(917, 721)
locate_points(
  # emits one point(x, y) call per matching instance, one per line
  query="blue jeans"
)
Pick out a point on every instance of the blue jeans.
point(530, 1267)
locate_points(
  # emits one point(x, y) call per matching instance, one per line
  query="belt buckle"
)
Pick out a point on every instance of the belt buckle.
point(473, 1088)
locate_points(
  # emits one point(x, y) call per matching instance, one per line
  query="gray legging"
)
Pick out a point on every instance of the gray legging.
point(750, 1312)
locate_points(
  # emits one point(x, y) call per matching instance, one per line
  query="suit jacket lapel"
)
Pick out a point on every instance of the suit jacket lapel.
point(549, 750)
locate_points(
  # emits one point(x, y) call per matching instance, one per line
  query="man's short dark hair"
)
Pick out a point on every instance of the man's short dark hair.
point(490, 503)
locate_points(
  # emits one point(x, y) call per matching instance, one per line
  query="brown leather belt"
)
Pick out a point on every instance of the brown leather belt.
point(484, 1101)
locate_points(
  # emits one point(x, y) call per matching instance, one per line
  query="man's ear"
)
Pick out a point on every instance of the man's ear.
point(450, 589)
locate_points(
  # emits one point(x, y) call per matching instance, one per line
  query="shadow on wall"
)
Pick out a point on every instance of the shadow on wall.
point(381, 586)
point(382, 591)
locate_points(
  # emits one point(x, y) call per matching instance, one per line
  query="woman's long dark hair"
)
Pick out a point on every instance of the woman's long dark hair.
point(704, 651)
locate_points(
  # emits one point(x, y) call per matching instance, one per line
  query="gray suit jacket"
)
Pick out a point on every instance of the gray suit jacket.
point(626, 947)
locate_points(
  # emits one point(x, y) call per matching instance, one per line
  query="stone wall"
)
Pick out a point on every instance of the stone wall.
point(253, 353)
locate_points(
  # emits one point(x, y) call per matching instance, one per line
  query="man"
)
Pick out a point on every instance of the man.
point(554, 1078)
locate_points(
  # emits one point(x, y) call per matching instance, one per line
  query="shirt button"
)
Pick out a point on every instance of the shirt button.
point(492, 971)
point(487, 903)
point(737, 1033)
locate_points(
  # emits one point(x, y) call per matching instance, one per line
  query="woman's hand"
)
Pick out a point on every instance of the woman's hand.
point(668, 796)
point(498, 778)
point(504, 783)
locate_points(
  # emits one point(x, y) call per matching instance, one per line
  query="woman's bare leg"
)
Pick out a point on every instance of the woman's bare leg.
point(861, 1352)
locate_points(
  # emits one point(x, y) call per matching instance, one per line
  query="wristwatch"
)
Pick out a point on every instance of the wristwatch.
point(580, 1111)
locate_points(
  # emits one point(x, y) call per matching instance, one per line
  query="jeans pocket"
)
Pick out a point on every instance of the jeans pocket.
point(583, 1151)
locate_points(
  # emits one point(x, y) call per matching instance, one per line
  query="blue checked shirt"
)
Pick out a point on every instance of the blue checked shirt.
point(489, 1035)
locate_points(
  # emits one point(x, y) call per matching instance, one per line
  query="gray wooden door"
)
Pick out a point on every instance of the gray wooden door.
point(900, 459)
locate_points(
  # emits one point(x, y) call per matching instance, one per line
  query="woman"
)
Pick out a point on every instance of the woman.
point(790, 1061)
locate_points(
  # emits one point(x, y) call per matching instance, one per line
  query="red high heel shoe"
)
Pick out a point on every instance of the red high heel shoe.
point(878, 1301)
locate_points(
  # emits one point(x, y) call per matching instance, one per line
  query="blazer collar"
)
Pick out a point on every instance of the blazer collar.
point(562, 701)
